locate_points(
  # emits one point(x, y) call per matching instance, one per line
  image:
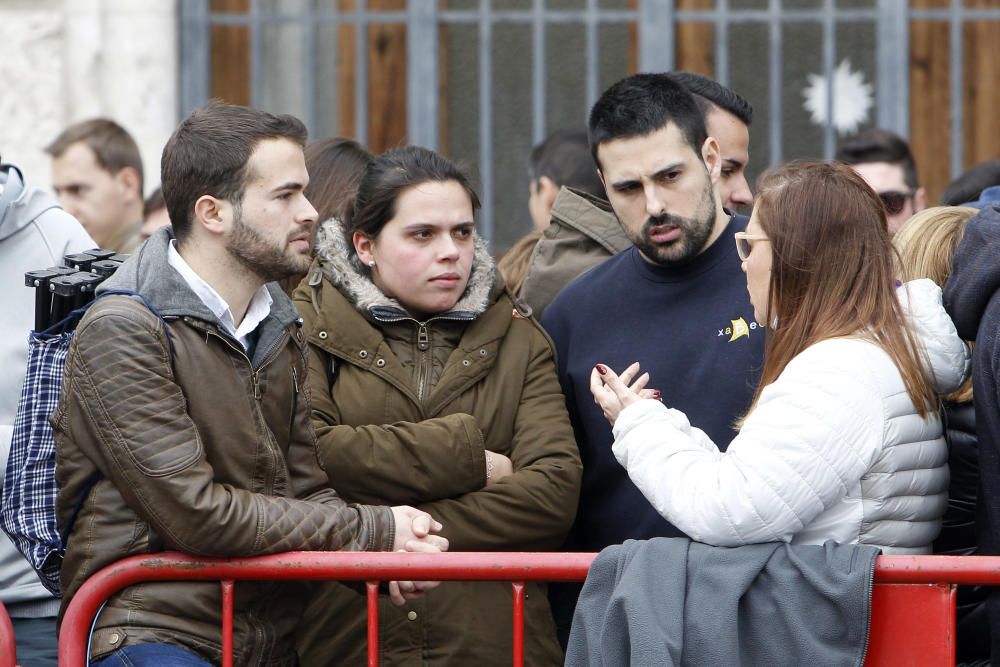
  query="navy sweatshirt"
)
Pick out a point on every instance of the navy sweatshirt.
point(691, 327)
point(972, 298)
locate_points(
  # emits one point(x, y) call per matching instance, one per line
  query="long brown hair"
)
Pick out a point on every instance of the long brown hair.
point(335, 166)
point(832, 272)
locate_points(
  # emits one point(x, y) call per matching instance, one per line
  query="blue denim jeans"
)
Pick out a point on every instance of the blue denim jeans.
point(152, 655)
point(36, 641)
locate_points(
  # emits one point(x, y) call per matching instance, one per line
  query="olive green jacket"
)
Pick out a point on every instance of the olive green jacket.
point(404, 411)
point(583, 233)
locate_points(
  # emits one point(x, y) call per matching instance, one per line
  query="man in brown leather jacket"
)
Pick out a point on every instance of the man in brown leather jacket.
point(188, 406)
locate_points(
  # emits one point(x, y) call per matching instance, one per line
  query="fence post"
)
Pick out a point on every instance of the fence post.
point(892, 81)
point(422, 92)
point(518, 587)
point(8, 645)
point(227, 622)
point(371, 588)
point(656, 35)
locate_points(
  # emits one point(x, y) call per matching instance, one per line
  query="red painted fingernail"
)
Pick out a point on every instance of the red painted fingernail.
point(601, 369)
point(656, 393)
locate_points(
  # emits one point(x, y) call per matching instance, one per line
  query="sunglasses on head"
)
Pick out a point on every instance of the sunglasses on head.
point(894, 201)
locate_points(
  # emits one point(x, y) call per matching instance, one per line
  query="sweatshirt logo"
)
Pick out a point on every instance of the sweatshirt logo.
point(737, 329)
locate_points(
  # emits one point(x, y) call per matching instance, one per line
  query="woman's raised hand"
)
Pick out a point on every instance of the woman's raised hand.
point(613, 392)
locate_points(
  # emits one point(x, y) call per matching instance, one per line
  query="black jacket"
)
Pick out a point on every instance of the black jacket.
point(972, 298)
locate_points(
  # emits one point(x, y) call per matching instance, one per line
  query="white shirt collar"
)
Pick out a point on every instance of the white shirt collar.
point(257, 311)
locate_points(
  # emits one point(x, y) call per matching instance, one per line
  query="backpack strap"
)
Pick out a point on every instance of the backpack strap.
point(163, 321)
point(69, 322)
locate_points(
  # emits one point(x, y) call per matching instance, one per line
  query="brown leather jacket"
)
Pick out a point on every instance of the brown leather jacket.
point(199, 449)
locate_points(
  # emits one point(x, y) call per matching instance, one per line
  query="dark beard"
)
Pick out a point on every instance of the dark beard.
point(695, 233)
point(259, 256)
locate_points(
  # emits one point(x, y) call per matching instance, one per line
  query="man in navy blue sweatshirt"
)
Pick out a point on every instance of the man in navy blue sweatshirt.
point(676, 301)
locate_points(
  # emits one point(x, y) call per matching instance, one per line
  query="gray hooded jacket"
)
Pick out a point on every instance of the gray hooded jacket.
point(34, 234)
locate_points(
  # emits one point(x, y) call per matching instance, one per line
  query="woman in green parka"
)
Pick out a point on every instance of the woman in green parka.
point(431, 387)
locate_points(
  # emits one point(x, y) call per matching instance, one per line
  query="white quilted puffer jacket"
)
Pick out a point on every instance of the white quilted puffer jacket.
point(834, 450)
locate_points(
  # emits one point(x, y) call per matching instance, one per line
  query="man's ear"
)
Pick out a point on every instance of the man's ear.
point(213, 215)
point(601, 176)
point(128, 177)
point(364, 245)
point(712, 157)
point(547, 191)
point(919, 200)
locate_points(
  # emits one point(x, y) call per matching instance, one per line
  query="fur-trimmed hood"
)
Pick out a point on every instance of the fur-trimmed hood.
point(342, 267)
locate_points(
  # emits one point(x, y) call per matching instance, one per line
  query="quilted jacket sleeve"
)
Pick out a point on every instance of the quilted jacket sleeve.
point(947, 356)
point(816, 430)
point(139, 433)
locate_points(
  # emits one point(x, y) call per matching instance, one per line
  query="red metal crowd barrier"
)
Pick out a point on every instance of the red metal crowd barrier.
point(8, 650)
point(913, 604)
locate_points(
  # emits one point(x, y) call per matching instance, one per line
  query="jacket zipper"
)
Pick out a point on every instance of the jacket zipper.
point(868, 630)
point(423, 345)
point(254, 372)
point(295, 405)
point(268, 357)
point(256, 657)
point(255, 381)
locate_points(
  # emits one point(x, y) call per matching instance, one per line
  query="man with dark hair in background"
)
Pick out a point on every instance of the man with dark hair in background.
point(154, 214)
point(97, 176)
point(186, 405)
point(563, 159)
point(977, 186)
point(584, 231)
point(727, 118)
point(884, 160)
point(675, 300)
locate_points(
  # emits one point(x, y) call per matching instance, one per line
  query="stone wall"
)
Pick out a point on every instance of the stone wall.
point(69, 60)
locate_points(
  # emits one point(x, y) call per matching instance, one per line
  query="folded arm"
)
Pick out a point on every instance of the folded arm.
point(403, 462)
point(533, 508)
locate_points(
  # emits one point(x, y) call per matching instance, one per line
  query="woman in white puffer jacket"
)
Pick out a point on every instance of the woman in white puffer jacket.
point(843, 440)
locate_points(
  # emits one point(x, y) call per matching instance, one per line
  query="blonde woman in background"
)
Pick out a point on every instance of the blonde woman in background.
point(926, 245)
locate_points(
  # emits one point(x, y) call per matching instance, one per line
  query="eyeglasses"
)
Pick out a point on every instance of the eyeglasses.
point(894, 201)
point(743, 240)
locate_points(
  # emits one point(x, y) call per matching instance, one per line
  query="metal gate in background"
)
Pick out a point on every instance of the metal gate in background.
point(518, 69)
